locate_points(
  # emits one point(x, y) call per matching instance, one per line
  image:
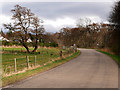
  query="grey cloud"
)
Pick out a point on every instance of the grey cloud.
point(53, 10)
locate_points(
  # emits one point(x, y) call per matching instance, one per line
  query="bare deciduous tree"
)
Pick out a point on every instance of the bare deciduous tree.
point(25, 26)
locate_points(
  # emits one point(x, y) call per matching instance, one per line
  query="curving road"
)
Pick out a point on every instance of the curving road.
point(91, 69)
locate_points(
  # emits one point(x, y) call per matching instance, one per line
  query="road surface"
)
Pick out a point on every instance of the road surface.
point(91, 69)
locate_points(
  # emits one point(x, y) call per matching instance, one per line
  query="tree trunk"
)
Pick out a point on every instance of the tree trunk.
point(24, 44)
point(36, 43)
point(26, 48)
point(36, 46)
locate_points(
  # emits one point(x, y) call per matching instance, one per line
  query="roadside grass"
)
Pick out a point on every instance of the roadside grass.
point(20, 76)
point(114, 57)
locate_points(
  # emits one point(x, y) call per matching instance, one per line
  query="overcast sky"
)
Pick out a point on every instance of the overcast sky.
point(57, 15)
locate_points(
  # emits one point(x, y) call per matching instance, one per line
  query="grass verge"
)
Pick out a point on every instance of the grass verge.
point(17, 77)
point(114, 57)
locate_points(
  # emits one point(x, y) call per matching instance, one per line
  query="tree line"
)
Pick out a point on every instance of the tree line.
point(90, 36)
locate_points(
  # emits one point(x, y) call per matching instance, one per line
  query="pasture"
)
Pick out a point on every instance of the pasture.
point(42, 56)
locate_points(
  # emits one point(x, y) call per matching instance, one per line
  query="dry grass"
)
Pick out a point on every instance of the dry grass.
point(107, 50)
point(14, 46)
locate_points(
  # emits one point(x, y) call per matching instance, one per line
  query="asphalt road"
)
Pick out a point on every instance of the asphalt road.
point(91, 69)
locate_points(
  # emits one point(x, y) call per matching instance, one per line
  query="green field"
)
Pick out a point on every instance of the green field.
point(43, 55)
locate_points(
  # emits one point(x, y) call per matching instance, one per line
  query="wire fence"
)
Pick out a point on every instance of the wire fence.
point(24, 63)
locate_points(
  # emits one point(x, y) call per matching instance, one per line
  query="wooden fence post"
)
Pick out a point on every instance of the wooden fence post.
point(35, 60)
point(21, 49)
point(61, 54)
point(9, 69)
point(27, 61)
point(5, 69)
point(15, 64)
